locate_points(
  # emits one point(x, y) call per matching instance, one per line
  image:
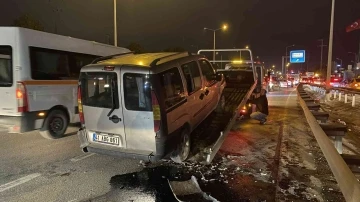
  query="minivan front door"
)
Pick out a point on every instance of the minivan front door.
point(194, 89)
point(211, 90)
point(102, 108)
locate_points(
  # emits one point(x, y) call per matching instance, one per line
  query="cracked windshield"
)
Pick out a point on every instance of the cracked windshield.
point(165, 101)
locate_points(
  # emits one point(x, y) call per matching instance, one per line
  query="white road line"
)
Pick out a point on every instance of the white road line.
point(81, 157)
point(17, 182)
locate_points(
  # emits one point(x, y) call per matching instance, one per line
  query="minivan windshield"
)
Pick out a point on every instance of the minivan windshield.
point(6, 79)
point(97, 89)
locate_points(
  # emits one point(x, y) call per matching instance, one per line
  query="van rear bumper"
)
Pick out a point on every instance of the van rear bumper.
point(20, 124)
point(87, 147)
point(124, 154)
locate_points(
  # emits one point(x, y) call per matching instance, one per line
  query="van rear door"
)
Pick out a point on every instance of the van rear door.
point(102, 108)
point(7, 83)
point(140, 127)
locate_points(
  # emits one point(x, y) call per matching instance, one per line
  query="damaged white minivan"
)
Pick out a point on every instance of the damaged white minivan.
point(145, 106)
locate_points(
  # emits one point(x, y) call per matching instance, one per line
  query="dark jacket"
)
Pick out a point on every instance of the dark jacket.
point(261, 104)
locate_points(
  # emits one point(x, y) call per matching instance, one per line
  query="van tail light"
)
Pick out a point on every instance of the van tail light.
point(80, 106)
point(21, 97)
point(156, 112)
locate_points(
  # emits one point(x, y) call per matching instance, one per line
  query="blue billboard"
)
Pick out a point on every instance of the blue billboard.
point(297, 56)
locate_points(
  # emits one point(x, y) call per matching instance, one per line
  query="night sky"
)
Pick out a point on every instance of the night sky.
point(267, 26)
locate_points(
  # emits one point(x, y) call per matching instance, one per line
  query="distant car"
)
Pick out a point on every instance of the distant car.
point(291, 81)
point(283, 83)
point(273, 83)
point(335, 81)
point(304, 80)
point(319, 81)
point(354, 84)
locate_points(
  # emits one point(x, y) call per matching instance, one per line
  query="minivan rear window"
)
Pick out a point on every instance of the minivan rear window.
point(137, 92)
point(6, 78)
point(99, 89)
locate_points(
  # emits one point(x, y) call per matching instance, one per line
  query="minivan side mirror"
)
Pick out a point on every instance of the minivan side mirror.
point(219, 77)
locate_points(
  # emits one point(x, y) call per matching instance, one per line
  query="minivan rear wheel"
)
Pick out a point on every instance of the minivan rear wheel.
point(55, 125)
point(181, 153)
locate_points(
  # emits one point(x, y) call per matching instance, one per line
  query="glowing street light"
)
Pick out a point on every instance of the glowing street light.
point(247, 47)
point(224, 27)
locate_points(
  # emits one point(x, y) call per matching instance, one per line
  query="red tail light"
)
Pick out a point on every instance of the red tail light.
point(156, 112)
point(21, 97)
point(80, 107)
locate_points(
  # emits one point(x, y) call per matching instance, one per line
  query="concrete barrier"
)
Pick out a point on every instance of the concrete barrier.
point(346, 97)
point(353, 100)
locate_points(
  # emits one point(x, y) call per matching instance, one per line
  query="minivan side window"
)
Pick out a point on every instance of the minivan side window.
point(208, 72)
point(137, 92)
point(192, 75)
point(172, 87)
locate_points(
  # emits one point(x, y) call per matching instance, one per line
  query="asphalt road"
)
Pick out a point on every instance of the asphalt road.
point(35, 169)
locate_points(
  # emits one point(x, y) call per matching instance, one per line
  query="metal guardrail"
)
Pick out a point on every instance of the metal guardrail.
point(346, 180)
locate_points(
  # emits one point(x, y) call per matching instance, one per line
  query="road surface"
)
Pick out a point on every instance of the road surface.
point(276, 161)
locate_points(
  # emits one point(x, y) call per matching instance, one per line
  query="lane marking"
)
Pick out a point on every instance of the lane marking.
point(81, 157)
point(19, 181)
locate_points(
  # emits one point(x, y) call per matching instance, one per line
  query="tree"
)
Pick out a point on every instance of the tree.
point(29, 22)
point(174, 49)
point(137, 48)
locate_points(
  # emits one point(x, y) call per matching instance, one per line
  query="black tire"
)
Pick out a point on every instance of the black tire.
point(55, 125)
point(220, 108)
point(181, 153)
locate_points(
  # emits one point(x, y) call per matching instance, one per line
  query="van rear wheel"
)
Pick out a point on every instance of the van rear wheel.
point(182, 151)
point(55, 125)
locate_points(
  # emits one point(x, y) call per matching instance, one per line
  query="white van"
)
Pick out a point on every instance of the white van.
point(38, 79)
point(146, 106)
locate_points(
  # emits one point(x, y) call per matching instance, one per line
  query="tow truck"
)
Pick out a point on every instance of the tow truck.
point(241, 77)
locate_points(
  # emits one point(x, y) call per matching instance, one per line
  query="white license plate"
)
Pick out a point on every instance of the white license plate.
point(107, 139)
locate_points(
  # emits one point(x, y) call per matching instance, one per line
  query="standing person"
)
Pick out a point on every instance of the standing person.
point(259, 104)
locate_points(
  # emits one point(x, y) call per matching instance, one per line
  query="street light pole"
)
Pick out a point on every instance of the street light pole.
point(286, 50)
point(331, 36)
point(115, 25)
point(214, 45)
point(224, 27)
point(340, 62)
point(356, 58)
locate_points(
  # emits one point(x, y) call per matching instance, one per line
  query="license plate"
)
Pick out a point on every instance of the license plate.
point(107, 139)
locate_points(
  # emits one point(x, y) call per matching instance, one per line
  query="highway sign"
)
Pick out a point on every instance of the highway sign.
point(297, 56)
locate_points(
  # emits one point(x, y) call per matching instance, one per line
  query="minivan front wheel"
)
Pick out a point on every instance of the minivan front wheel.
point(182, 151)
point(55, 125)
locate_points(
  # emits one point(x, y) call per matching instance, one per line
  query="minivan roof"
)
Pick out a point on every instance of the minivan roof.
point(145, 60)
